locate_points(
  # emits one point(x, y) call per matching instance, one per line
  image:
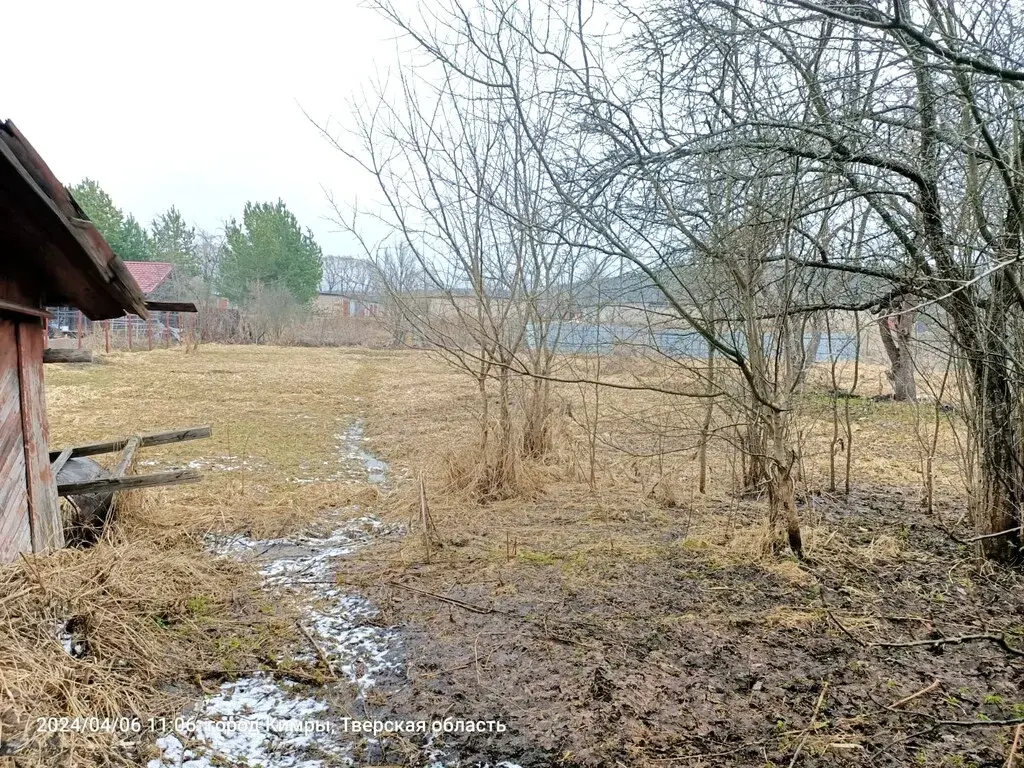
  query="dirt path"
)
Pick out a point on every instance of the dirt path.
point(264, 720)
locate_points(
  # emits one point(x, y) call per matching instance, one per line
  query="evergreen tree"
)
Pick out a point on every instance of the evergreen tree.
point(270, 248)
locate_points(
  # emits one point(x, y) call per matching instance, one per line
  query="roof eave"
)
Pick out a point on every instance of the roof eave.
point(79, 265)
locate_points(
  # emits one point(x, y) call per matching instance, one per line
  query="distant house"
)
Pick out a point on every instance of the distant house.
point(53, 255)
point(346, 305)
point(153, 277)
point(156, 281)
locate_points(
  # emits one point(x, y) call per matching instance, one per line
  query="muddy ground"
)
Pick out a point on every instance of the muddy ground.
point(678, 658)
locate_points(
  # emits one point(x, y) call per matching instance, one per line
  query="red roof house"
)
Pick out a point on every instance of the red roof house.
point(150, 275)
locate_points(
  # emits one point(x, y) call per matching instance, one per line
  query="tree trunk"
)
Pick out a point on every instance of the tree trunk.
point(782, 515)
point(756, 450)
point(537, 422)
point(997, 506)
point(897, 331)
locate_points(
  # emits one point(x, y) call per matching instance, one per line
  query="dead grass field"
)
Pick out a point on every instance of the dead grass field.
point(641, 624)
point(161, 618)
point(638, 623)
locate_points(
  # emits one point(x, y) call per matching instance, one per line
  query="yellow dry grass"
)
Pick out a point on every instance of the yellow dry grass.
point(423, 415)
point(149, 596)
point(156, 613)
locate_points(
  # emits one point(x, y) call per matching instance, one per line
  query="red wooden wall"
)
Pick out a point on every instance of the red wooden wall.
point(15, 530)
point(29, 509)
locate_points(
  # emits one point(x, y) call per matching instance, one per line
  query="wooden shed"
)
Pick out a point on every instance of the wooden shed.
point(50, 253)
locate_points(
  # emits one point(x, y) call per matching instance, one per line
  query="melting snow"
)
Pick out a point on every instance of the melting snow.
point(260, 722)
point(257, 721)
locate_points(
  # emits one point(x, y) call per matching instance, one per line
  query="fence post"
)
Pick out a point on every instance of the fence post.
point(149, 330)
point(128, 330)
point(106, 335)
point(167, 329)
point(78, 327)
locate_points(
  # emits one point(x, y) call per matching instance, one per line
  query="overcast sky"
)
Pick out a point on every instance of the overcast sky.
point(194, 104)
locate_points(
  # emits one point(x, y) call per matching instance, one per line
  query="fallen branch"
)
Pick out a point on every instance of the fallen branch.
point(450, 600)
point(1013, 749)
point(810, 726)
point(845, 631)
point(999, 640)
point(926, 690)
point(319, 651)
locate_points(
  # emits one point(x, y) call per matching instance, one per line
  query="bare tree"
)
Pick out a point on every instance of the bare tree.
point(469, 212)
point(757, 165)
point(349, 276)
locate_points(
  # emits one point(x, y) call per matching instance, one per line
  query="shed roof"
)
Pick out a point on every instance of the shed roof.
point(149, 274)
point(58, 251)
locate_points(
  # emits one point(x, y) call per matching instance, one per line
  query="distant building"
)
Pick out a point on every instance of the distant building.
point(153, 277)
point(156, 280)
point(346, 305)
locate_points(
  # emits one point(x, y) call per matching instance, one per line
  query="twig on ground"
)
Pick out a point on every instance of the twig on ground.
point(1013, 749)
point(450, 600)
point(319, 651)
point(810, 725)
point(924, 691)
point(846, 632)
point(999, 640)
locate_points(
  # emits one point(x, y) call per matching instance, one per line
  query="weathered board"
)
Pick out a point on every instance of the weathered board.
point(15, 530)
point(43, 505)
point(146, 441)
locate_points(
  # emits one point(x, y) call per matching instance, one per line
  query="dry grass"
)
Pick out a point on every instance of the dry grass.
point(271, 464)
point(423, 419)
point(148, 597)
point(156, 614)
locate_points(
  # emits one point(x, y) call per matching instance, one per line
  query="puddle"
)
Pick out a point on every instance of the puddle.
point(353, 462)
point(353, 442)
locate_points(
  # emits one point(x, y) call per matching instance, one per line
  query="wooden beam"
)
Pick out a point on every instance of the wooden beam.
point(171, 306)
point(130, 483)
point(145, 441)
point(79, 263)
point(127, 454)
point(13, 308)
point(60, 461)
point(43, 506)
point(53, 355)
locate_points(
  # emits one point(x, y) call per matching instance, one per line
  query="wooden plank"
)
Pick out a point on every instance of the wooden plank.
point(146, 441)
point(15, 531)
point(125, 459)
point(130, 483)
point(60, 461)
point(67, 356)
point(14, 308)
point(43, 505)
point(171, 306)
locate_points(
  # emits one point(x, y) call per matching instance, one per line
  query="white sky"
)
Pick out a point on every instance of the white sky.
point(194, 104)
